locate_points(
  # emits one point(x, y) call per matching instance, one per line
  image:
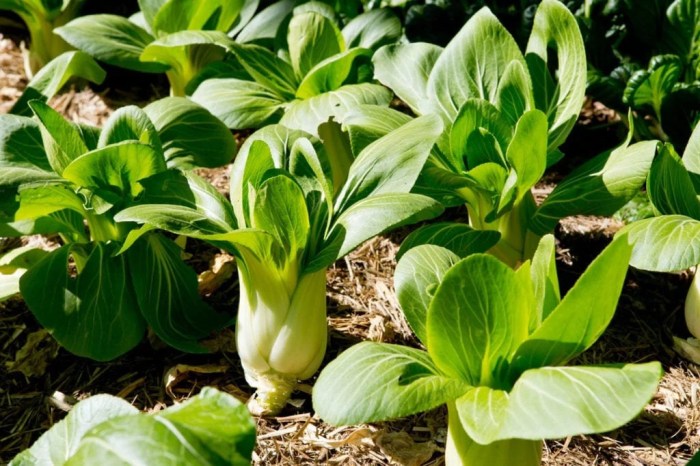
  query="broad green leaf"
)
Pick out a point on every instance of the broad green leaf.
point(177, 219)
point(557, 402)
point(262, 28)
point(68, 223)
point(21, 145)
point(479, 54)
point(664, 244)
point(13, 264)
point(582, 316)
point(544, 278)
point(459, 238)
point(166, 290)
point(477, 319)
point(40, 200)
point(390, 164)
point(650, 87)
point(375, 382)
point(527, 152)
point(367, 123)
point(239, 104)
point(312, 38)
point(112, 39)
point(279, 209)
point(180, 15)
point(372, 29)
point(94, 315)
point(308, 114)
point(514, 95)
point(267, 69)
point(247, 13)
point(559, 97)
point(600, 186)
point(378, 213)
point(329, 74)
point(150, 8)
point(417, 276)
point(114, 171)
point(474, 115)
point(54, 75)
point(691, 155)
point(61, 442)
point(62, 140)
point(129, 123)
point(670, 187)
point(191, 135)
point(405, 69)
point(187, 51)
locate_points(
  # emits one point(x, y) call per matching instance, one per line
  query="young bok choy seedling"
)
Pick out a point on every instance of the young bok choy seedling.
point(299, 206)
point(671, 241)
point(320, 69)
point(41, 17)
point(505, 114)
point(497, 343)
point(99, 291)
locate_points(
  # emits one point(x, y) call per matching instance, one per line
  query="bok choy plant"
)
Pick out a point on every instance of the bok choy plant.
point(321, 70)
point(671, 241)
point(176, 37)
point(505, 116)
point(497, 344)
point(41, 17)
point(60, 177)
point(211, 428)
point(298, 207)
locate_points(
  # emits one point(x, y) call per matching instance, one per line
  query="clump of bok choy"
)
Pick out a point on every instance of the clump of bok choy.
point(505, 114)
point(319, 69)
point(99, 291)
point(497, 344)
point(299, 206)
point(211, 428)
point(176, 37)
point(41, 17)
point(671, 241)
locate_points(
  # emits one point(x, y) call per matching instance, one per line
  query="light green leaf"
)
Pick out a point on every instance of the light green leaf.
point(40, 200)
point(112, 39)
point(417, 275)
point(557, 402)
point(372, 29)
point(375, 382)
point(561, 97)
point(177, 219)
point(477, 319)
point(479, 54)
point(670, 187)
point(311, 39)
point(129, 123)
point(13, 265)
point(514, 95)
point(664, 244)
point(308, 114)
point(545, 279)
point(390, 164)
point(239, 104)
point(64, 438)
point(459, 238)
point(54, 75)
point(267, 69)
point(367, 123)
point(691, 155)
point(582, 316)
point(62, 140)
point(329, 74)
point(180, 15)
point(21, 145)
point(187, 51)
point(650, 87)
point(600, 186)
point(262, 28)
point(405, 69)
point(527, 152)
point(474, 115)
point(166, 290)
point(94, 315)
point(191, 135)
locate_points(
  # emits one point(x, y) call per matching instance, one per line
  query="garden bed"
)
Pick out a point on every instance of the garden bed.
point(361, 306)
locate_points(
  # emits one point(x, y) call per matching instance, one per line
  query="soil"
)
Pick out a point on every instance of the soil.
point(361, 306)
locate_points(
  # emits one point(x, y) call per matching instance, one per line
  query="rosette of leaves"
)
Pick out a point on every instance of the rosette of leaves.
point(320, 71)
point(99, 291)
point(176, 37)
point(211, 428)
point(505, 116)
point(670, 241)
point(497, 344)
point(299, 206)
point(41, 17)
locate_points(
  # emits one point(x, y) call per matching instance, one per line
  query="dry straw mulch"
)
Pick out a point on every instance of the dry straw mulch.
point(362, 305)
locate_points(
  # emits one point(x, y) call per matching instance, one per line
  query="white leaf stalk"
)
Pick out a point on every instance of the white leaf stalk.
point(462, 450)
point(692, 307)
point(281, 331)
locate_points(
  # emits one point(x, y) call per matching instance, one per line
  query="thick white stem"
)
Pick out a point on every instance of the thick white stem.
point(692, 307)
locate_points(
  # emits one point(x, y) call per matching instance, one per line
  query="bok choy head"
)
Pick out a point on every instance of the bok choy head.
point(299, 205)
point(99, 291)
point(497, 344)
